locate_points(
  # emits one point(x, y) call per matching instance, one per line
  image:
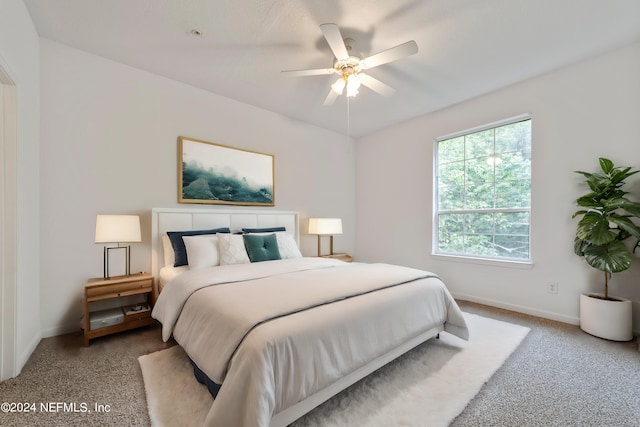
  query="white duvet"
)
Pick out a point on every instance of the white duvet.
point(275, 332)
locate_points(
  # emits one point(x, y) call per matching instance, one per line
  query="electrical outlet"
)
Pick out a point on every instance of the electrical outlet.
point(552, 287)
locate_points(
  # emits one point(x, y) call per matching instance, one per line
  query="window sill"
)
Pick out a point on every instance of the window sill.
point(522, 265)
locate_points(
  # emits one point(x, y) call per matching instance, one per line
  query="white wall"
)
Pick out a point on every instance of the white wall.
point(109, 145)
point(580, 113)
point(19, 58)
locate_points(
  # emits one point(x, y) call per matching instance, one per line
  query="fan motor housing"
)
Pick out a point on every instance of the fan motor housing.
point(348, 66)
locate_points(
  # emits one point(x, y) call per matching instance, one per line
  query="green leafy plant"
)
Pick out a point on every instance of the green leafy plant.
point(606, 221)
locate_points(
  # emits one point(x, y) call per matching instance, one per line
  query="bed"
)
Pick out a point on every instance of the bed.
point(282, 334)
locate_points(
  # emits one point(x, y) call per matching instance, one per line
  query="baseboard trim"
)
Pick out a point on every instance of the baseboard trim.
point(60, 330)
point(26, 354)
point(519, 308)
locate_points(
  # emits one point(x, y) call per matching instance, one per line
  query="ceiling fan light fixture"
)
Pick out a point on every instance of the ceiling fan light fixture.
point(339, 85)
point(349, 66)
point(353, 84)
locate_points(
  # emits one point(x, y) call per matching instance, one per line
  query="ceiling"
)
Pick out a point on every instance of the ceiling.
point(466, 47)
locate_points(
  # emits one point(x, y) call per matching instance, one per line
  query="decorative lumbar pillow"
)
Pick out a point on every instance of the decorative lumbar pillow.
point(178, 243)
point(263, 230)
point(232, 250)
point(287, 246)
point(261, 247)
point(202, 251)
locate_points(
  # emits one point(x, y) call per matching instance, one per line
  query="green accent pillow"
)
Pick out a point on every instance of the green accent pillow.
point(263, 247)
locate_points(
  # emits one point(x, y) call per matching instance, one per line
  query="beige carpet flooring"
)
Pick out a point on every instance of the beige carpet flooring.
point(558, 376)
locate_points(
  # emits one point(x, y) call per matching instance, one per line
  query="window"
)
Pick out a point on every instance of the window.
point(483, 192)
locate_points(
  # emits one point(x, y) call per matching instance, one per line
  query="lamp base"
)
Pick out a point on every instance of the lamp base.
point(330, 246)
point(110, 252)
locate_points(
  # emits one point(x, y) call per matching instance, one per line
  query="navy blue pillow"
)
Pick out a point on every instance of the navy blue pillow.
point(178, 244)
point(263, 230)
point(261, 247)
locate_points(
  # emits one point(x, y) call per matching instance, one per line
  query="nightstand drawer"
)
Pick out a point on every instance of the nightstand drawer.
point(119, 289)
point(137, 316)
point(136, 312)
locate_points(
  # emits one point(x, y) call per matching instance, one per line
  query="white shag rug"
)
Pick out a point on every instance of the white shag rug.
point(429, 386)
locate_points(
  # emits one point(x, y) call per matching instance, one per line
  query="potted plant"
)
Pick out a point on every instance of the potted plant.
point(606, 222)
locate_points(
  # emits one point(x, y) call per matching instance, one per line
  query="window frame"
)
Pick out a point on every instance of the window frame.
point(504, 261)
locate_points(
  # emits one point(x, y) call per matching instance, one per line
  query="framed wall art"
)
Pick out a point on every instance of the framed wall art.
point(218, 174)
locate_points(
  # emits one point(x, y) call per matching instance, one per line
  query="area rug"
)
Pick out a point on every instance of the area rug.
point(429, 386)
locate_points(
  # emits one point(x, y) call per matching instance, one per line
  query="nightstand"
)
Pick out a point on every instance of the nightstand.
point(106, 322)
point(341, 257)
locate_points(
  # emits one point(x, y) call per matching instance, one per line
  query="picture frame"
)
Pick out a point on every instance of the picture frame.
point(218, 174)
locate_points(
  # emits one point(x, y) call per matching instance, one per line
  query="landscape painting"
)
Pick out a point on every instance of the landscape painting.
point(218, 174)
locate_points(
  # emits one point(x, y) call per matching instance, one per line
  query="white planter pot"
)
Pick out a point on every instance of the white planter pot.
point(612, 320)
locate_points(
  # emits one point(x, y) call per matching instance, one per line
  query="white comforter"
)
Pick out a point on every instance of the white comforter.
point(275, 332)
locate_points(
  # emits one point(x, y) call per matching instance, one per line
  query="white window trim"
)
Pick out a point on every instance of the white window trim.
point(510, 120)
point(513, 263)
point(510, 263)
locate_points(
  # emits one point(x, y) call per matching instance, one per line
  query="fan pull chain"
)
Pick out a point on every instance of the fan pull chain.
point(348, 119)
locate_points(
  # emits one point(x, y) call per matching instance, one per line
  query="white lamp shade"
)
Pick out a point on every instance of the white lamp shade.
point(118, 228)
point(326, 226)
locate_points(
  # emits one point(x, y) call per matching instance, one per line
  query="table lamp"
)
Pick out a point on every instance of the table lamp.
point(325, 227)
point(117, 229)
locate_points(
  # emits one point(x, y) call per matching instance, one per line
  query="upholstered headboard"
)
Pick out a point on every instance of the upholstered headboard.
point(183, 219)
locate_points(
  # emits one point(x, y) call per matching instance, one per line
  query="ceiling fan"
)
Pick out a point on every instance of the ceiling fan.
point(350, 67)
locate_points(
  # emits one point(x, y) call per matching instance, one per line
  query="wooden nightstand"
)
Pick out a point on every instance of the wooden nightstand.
point(104, 289)
point(341, 257)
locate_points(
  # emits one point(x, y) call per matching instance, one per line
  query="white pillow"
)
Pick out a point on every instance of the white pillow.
point(202, 251)
point(232, 250)
point(287, 245)
point(167, 251)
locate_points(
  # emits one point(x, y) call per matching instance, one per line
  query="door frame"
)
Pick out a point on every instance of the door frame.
point(8, 225)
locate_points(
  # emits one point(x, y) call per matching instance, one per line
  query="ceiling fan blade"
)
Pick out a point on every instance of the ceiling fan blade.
point(312, 72)
point(376, 85)
point(334, 38)
point(391, 54)
point(331, 98)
